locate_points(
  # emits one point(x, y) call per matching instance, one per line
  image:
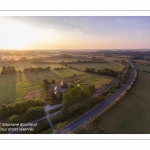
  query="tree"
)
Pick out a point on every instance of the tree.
point(92, 70)
point(87, 70)
point(76, 95)
point(46, 83)
point(4, 68)
point(99, 71)
point(53, 81)
point(34, 113)
point(64, 111)
point(14, 119)
point(8, 110)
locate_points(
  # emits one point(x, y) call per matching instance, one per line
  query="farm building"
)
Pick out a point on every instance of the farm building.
point(57, 90)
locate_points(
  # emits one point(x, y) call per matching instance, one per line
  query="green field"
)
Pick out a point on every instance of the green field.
point(142, 67)
point(83, 66)
point(132, 113)
point(13, 87)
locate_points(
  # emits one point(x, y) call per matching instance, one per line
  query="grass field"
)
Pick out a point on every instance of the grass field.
point(132, 113)
point(142, 67)
point(83, 66)
point(13, 87)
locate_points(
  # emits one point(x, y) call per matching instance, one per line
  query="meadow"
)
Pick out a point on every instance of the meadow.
point(132, 113)
point(83, 66)
point(13, 87)
point(142, 67)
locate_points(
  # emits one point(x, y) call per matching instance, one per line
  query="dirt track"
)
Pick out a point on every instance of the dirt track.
point(34, 94)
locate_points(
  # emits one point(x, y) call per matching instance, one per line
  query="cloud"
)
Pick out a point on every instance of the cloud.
point(134, 22)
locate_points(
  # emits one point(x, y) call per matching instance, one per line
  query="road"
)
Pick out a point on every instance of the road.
point(84, 119)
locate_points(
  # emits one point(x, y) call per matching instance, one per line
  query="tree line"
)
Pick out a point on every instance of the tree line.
point(8, 69)
point(107, 72)
point(36, 69)
point(7, 110)
point(32, 113)
point(60, 68)
point(126, 76)
point(11, 69)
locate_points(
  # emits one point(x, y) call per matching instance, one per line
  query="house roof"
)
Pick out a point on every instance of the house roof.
point(56, 88)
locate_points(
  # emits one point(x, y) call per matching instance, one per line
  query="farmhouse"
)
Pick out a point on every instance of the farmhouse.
point(57, 90)
point(60, 88)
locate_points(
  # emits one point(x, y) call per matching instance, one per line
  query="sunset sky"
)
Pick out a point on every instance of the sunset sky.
point(74, 32)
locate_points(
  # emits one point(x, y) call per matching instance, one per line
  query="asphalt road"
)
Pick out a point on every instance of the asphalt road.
point(84, 119)
point(109, 86)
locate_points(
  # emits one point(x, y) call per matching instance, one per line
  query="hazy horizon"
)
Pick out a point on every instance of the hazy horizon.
point(74, 33)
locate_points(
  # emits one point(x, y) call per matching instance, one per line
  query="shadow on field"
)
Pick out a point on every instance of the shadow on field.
point(55, 74)
point(20, 76)
point(33, 78)
point(8, 87)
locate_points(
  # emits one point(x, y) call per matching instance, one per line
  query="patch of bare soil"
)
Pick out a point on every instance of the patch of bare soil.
point(34, 94)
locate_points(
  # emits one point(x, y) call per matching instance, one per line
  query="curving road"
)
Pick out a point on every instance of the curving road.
point(83, 120)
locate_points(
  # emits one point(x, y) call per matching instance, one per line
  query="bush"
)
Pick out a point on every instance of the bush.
point(14, 119)
point(33, 113)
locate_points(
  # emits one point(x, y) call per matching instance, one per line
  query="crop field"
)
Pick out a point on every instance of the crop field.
point(13, 87)
point(83, 66)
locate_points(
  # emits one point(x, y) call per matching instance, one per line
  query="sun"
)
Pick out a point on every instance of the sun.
point(15, 35)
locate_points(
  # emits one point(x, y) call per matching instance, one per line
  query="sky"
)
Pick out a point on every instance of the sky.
point(74, 32)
